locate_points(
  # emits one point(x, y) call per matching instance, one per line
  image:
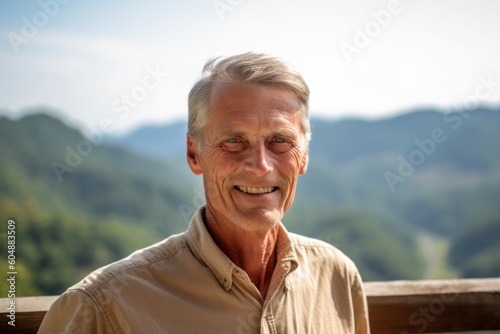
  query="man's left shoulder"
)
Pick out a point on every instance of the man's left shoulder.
point(316, 250)
point(308, 243)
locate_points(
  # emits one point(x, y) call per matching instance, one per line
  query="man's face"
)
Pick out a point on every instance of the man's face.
point(251, 153)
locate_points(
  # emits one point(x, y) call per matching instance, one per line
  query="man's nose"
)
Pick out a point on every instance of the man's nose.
point(258, 160)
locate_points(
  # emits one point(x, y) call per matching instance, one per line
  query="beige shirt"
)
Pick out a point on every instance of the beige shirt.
point(185, 284)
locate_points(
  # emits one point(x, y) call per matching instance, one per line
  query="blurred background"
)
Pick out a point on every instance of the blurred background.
point(404, 173)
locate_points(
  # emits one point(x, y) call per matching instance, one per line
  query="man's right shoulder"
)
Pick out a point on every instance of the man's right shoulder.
point(99, 302)
point(140, 261)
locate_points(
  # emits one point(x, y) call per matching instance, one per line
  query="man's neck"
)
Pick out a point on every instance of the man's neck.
point(252, 251)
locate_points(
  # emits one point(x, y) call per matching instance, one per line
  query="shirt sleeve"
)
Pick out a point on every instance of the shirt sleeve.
point(360, 306)
point(74, 312)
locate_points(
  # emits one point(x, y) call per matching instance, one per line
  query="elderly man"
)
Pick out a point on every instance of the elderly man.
point(236, 269)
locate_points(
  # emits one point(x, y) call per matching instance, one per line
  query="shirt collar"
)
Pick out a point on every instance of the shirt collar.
point(207, 252)
point(286, 260)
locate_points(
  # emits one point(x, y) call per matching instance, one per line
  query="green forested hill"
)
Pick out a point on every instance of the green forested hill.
point(48, 162)
point(80, 204)
point(99, 210)
point(475, 250)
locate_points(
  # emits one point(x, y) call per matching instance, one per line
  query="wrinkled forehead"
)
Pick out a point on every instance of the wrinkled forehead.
point(237, 108)
point(238, 95)
point(254, 125)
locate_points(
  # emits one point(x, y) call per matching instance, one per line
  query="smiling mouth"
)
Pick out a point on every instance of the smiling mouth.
point(256, 190)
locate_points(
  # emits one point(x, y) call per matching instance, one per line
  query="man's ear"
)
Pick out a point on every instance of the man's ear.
point(304, 163)
point(192, 155)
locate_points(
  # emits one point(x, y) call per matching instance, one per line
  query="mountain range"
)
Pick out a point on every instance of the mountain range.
point(373, 189)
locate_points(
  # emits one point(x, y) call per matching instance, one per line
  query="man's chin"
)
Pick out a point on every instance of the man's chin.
point(258, 219)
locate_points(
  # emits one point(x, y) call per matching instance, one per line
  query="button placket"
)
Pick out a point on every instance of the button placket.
point(269, 320)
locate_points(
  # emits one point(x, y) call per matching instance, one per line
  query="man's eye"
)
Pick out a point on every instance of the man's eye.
point(233, 145)
point(280, 145)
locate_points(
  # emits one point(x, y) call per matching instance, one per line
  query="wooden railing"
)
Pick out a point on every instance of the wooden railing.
point(394, 307)
point(434, 306)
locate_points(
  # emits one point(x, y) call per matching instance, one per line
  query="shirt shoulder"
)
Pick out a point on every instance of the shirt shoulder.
point(320, 254)
point(320, 247)
point(135, 265)
point(92, 305)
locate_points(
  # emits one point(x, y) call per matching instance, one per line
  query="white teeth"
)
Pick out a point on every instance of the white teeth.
point(254, 190)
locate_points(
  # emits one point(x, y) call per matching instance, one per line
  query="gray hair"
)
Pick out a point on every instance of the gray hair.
point(246, 68)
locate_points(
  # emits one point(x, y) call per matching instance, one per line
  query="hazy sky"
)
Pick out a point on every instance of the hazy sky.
point(134, 62)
